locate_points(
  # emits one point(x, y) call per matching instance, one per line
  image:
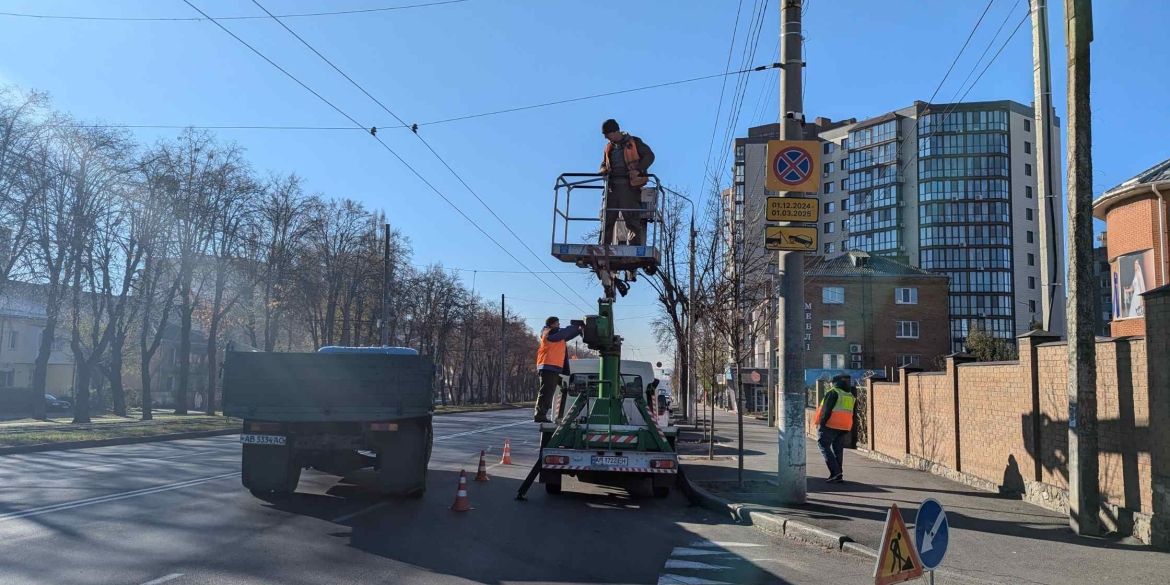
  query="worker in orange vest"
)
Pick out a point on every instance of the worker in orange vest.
point(834, 421)
point(551, 361)
point(626, 163)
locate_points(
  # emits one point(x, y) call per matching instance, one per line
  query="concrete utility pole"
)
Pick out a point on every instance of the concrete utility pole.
point(386, 290)
point(1083, 489)
point(770, 334)
point(503, 353)
point(1049, 246)
point(692, 377)
point(790, 427)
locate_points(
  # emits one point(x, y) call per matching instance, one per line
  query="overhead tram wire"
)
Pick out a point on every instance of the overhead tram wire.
point(430, 148)
point(193, 19)
point(383, 144)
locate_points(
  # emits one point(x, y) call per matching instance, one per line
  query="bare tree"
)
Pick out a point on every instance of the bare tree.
point(285, 215)
point(20, 135)
point(671, 284)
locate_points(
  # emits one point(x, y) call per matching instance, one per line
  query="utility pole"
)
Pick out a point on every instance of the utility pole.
point(503, 353)
point(1083, 489)
point(770, 333)
point(1045, 166)
point(692, 377)
point(790, 470)
point(386, 290)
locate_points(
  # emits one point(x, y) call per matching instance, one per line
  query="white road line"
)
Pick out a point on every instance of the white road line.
point(685, 580)
point(360, 512)
point(709, 544)
point(164, 579)
point(111, 497)
point(475, 432)
point(680, 551)
point(677, 564)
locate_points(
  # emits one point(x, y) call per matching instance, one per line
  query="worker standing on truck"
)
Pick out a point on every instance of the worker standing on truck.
point(626, 163)
point(552, 359)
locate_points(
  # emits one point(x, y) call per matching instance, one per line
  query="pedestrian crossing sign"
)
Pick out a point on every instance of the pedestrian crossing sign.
point(897, 559)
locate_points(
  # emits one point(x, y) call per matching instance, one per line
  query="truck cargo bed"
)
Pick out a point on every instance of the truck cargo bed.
point(297, 387)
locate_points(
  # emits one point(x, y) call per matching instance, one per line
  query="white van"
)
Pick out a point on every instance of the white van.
point(636, 377)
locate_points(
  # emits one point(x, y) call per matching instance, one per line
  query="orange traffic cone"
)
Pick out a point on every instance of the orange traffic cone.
point(461, 504)
point(507, 458)
point(482, 474)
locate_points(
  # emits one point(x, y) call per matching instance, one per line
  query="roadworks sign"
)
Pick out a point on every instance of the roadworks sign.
point(897, 559)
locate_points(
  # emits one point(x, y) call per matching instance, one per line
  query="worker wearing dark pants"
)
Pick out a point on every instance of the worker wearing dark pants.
point(626, 163)
point(552, 360)
point(834, 421)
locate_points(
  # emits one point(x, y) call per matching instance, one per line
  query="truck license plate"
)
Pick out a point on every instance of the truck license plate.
point(262, 439)
point(611, 461)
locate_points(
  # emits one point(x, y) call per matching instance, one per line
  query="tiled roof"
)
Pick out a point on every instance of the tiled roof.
point(1155, 174)
point(845, 265)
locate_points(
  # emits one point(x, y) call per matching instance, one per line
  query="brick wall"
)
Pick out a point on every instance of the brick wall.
point(1132, 225)
point(994, 421)
point(889, 425)
point(932, 417)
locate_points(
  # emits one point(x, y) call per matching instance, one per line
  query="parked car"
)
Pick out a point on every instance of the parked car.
point(54, 404)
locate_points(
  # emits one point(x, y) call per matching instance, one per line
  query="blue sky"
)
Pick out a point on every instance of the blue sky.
point(864, 58)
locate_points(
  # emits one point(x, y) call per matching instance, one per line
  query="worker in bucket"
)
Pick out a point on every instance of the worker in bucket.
point(626, 163)
point(552, 360)
point(834, 422)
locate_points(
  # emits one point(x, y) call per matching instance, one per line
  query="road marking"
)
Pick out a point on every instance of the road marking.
point(710, 544)
point(677, 564)
point(112, 497)
point(360, 512)
point(475, 432)
point(680, 551)
point(685, 580)
point(164, 579)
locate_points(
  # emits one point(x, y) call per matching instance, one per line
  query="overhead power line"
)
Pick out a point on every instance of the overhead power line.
point(207, 18)
point(400, 125)
point(383, 144)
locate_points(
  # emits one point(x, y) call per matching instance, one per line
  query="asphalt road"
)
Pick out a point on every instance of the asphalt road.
point(175, 512)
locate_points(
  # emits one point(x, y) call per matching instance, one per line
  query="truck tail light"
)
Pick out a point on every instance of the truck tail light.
point(556, 460)
point(263, 427)
point(383, 426)
point(662, 464)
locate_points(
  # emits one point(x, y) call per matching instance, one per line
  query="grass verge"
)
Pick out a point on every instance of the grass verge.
point(50, 433)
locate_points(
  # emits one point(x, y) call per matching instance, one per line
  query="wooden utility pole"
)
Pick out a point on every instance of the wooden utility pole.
point(791, 467)
point(1083, 487)
point(1051, 294)
point(503, 353)
point(386, 290)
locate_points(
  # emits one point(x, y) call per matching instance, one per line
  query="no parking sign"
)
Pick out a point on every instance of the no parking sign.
point(793, 166)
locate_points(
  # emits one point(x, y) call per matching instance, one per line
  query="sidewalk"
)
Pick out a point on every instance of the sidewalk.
point(992, 538)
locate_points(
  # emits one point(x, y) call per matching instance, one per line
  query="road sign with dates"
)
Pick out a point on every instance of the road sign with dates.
point(794, 166)
point(793, 209)
point(790, 238)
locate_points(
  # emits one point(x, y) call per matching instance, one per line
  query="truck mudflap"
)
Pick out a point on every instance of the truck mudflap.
point(609, 461)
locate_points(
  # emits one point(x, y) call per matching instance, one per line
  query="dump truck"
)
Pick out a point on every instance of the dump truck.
point(337, 411)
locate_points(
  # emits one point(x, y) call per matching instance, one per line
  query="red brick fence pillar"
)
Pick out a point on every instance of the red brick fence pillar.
point(1157, 307)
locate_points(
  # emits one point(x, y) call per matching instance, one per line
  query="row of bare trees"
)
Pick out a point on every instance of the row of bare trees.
point(126, 242)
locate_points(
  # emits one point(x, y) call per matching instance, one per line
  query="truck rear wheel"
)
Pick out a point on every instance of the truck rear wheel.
point(403, 456)
point(269, 468)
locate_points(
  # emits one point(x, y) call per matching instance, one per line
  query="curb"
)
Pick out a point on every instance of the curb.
point(772, 523)
point(21, 449)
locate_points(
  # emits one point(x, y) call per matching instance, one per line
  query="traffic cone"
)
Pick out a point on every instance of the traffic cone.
point(482, 474)
point(507, 458)
point(461, 504)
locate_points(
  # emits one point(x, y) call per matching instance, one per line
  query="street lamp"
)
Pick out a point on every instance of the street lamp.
point(691, 377)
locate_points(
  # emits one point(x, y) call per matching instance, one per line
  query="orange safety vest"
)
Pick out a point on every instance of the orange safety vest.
point(550, 353)
point(842, 416)
point(630, 153)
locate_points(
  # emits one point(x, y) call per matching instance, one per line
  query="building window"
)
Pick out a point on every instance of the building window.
point(739, 152)
point(833, 295)
point(1032, 282)
point(1027, 148)
point(844, 225)
point(1032, 260)
point(1031, 306)
point(909, 360)
point(1027, 125)
point(829, 167)
point(1104, 282)
point(833, 361)
point(1028, 169)
point(845, 204)
point(1031, 237)
point(906, 296)
point(830, 227)
point(13, 336)
point(830, 206)
point(830, 187)
point(833, 328)
point(829, 248)
point(1028, 214)
point(1028, 191)
point(829, 147)
point(170, 384)
point(907, 329)
point(845, 184)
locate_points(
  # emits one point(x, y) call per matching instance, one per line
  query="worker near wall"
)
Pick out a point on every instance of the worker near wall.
point(552, 360)
point(834, 421)
point(626, 162)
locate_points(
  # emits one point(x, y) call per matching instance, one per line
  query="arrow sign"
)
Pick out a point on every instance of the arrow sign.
point(931, 533)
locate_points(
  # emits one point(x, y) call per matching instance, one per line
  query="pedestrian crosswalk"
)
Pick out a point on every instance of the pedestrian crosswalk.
point(706, 562)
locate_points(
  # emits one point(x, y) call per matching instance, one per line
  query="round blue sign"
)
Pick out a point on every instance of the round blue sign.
point(792, 165)
point(931, 533)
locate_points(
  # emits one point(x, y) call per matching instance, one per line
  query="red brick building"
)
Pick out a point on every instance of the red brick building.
point(869, 312)
point(1135, 214)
